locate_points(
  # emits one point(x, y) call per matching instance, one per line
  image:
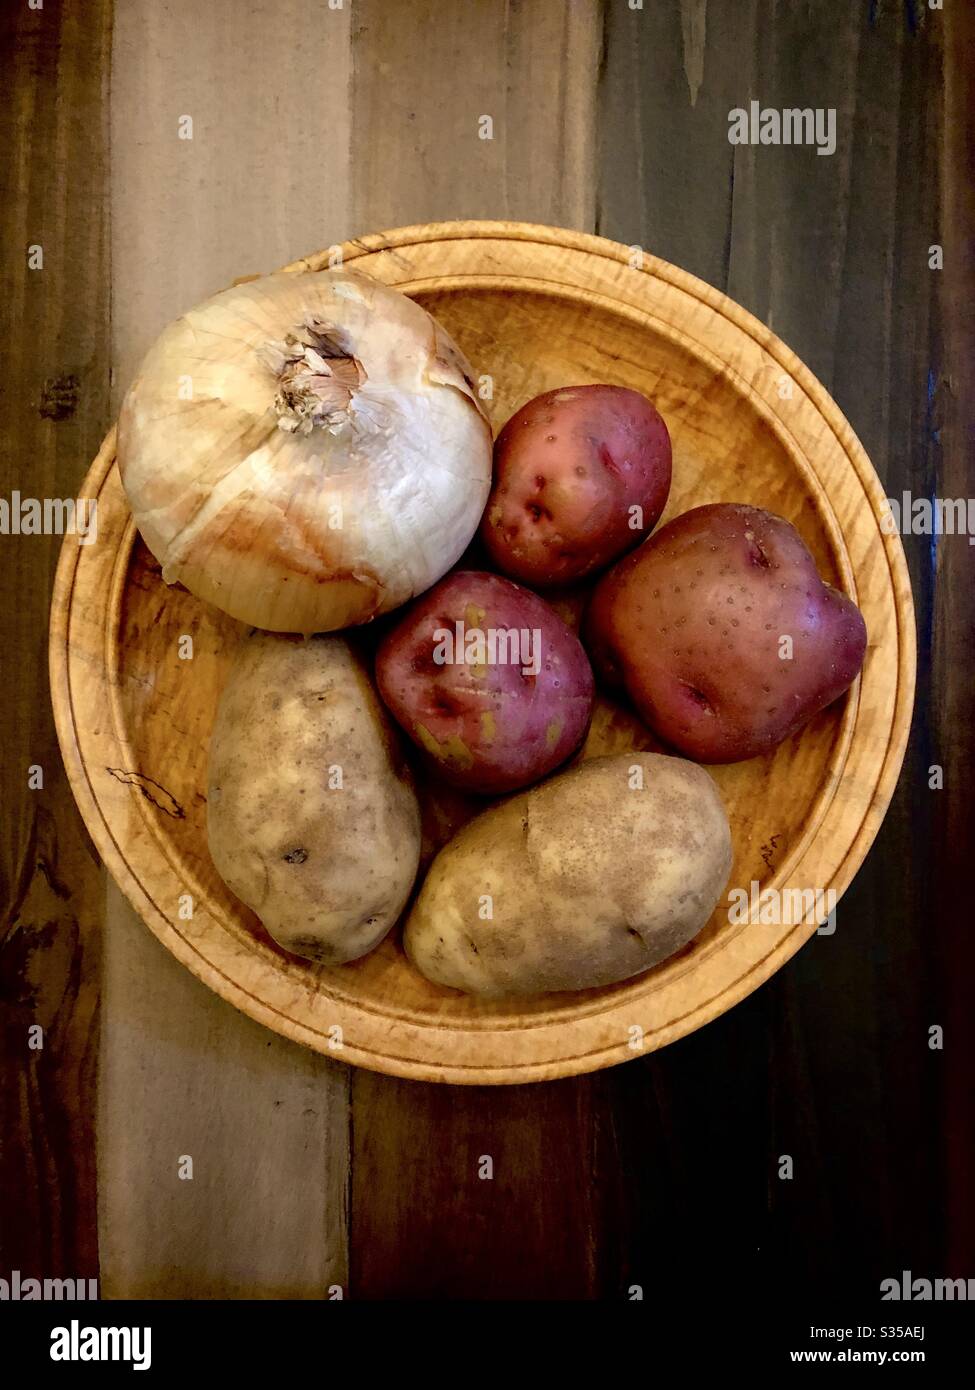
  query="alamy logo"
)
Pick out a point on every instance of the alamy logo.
point(788, 907)
point(77, 1343)
point(926, 1290)
point(19, 1290)
point(792, 126)
point(928, 516)
point(49, 516)
point(493, 646)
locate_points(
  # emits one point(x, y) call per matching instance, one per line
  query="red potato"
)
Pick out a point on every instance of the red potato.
point(723, 634)
point(488, 681)
point(580, 476)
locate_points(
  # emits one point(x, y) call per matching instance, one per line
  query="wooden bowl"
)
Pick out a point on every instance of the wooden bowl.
point(533, 307)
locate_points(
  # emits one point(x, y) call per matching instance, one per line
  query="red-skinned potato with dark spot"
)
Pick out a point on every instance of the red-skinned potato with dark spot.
point(581, 475)
point(496, 724)
point(723, 634)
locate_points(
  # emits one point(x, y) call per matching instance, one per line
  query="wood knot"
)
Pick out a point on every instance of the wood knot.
point(59, 398)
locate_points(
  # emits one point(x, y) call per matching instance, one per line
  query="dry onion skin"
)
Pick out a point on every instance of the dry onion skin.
point(305, 451)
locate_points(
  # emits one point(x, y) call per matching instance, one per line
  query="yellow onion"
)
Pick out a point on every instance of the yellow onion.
point(305, 451)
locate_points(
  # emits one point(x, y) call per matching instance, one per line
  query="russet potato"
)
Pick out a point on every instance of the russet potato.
point(590, 878)
point(312, 817)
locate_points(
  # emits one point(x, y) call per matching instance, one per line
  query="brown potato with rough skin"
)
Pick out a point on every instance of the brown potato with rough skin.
point(311, 814)
point(722, 633)
point(587, 879)
point(581, 475)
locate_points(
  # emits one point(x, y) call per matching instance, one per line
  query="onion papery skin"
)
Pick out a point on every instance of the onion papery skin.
point(294, 532)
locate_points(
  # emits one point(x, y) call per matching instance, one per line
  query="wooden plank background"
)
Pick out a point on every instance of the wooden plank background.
point(311, 124)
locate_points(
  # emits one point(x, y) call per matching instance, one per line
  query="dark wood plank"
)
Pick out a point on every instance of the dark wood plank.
point(953, 656)
point(423, 1224)
point(53, 413)
point(427, 1220)
point(828, 1063)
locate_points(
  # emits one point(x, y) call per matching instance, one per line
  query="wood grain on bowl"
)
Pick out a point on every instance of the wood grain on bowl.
point(534, 308)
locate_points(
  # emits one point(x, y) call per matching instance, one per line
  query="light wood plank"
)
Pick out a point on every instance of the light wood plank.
point(265, 1122)
point(426, 75)
point(263, 181)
